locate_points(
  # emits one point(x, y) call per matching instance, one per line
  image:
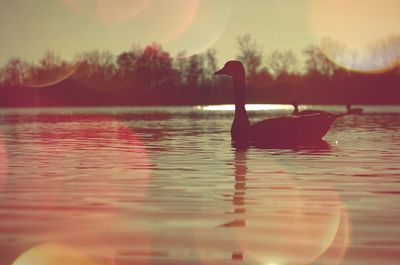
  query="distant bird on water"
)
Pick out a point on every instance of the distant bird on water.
point(284, 131)
point(356, 111)
point(296, 111)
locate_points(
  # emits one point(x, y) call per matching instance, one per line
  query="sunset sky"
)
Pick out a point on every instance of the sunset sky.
point(29, 28)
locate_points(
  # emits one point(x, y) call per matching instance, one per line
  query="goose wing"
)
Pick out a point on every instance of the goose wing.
point(292, 129)
point(311, 111)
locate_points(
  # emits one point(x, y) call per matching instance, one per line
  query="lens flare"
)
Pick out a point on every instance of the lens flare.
point(39, 174)
point(48, 77)
point(336, 251)
point(88, 173)
point(50, 254)
point(296, 230)
point(358, 35)
point(76, 176)
point(288, 221)
point(83, 148)
point(166, 21)
point(163, 22)
point(206, 28)
point(109, 12)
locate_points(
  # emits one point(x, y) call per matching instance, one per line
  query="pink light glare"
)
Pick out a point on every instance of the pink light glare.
point(205, 30)
point(299, 230)
point(161, 21)
point(119, 11)
point(186, 26)
point(337, 250)
point(356, 26)
point(167, 20)
point(95, 143)
point(75, 149)
point(297, 223)
point(86, 229)
point(290, 231)
point(109, 12)
point(189, 12)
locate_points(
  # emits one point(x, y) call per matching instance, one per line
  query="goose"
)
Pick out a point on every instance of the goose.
point(283, 131)
point(296, 111)
point(356, 111)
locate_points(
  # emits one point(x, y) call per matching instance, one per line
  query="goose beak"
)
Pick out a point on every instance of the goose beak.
point(220, 72)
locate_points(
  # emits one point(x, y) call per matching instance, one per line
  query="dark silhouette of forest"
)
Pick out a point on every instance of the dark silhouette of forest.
point(151, 76)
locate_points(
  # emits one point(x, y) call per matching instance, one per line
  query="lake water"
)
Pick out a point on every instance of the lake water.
point(163, 185)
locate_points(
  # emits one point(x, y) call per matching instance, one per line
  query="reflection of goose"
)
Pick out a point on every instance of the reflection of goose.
point(350, 110)
point(310, 111)
point(275, 132)
point(238, 200)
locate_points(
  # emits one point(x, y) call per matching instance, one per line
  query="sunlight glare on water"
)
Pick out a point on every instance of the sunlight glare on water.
point(249, 107)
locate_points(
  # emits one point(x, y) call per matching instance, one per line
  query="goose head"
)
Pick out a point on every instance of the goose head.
point(234, 69)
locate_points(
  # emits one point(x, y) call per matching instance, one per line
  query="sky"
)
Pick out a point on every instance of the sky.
point(68, 27)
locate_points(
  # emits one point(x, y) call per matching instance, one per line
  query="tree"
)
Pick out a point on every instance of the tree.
point(15, 72)
point(154, 68)
point(318, 63)
point(50, 60)
point(50, 70)
point(195, 71)
point(385, 53)
point(250, 55)
point(182, 65)
point(96, 66)
point(211, 62)
point(126, 62)
point(2, 73)
point(282, 63)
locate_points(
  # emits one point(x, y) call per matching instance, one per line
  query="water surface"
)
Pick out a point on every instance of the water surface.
point(163, 185)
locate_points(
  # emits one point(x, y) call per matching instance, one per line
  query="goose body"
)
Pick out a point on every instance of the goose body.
point(296, 111)
point(280, 131)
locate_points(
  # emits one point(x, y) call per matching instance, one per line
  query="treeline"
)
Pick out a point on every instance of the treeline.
point(151, 76)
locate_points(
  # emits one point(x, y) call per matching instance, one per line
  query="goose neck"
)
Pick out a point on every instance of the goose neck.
point(240, 93)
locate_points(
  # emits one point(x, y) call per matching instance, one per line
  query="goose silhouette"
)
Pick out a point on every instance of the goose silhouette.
point(296, 111)
point(287, 131)
point(356, 111)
